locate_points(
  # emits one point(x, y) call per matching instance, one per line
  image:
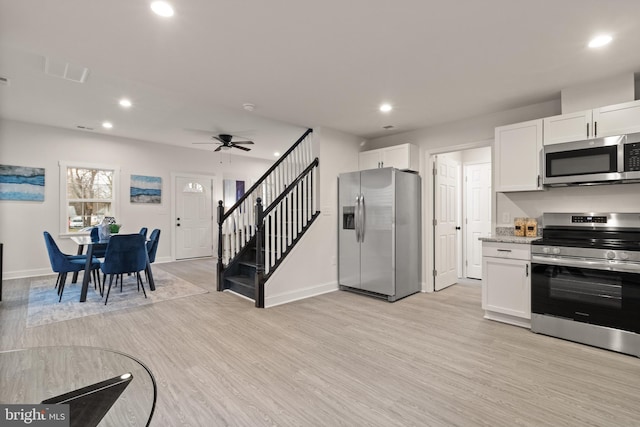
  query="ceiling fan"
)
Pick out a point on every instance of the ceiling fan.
point(227, 143)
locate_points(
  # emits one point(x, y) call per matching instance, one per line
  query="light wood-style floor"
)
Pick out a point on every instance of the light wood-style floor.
point(343, 359)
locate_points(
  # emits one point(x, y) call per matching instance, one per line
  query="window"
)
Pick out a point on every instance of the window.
point(87, 195)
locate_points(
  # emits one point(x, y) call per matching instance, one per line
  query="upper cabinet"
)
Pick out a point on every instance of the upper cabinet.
point(518, 151)
point(404, 156)
point(600, 122)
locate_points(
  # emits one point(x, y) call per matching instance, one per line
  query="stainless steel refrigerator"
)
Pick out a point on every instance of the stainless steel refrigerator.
point(379, 232)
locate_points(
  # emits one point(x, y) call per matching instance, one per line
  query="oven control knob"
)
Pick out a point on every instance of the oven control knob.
point(555, 251)
point(624, 256)
point(545, 250)
point(611, 255)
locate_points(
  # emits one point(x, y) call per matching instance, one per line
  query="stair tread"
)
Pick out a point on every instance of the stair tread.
point(251, 264)
point(241, 280)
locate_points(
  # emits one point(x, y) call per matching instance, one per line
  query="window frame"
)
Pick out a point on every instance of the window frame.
point(64, 201)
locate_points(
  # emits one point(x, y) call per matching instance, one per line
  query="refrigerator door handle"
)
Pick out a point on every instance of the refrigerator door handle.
point(363, 216)
point(356, 219)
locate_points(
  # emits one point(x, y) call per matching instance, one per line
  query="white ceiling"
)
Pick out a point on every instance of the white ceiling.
point(302, 63)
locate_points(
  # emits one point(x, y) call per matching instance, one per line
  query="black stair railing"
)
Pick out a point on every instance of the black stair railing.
point(237, 225)
point(281, 225)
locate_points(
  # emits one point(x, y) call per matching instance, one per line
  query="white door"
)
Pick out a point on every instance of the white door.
point(477, 215)
point(194, 219)
point(445, 214)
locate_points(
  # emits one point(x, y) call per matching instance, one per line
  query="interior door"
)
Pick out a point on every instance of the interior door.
point(194, 219)
point(477, 215)
point(445, 213)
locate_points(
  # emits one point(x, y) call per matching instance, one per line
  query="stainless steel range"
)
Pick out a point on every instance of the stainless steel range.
point(585, 283)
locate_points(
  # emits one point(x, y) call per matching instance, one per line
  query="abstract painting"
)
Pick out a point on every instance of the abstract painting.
point(21, 183)
point(232, 191)
point(146, 189)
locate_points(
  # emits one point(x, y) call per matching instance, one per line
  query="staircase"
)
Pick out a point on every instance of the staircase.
point(259, 231)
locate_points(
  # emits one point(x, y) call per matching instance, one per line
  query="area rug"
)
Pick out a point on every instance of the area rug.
point(44, 307)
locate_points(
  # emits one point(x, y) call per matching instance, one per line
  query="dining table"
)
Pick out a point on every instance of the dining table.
point(88, 379)
point(85, 240)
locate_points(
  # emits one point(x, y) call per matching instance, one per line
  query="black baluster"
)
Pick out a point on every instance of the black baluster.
point(259, 282)
point(220, 267)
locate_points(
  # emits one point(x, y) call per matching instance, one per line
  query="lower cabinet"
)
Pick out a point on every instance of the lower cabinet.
point(506, 282)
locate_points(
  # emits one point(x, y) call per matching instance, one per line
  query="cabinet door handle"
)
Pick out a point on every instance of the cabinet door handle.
point(538, 181)
point(587, 130)
point(527, 271)
point(504, 250)
point(595, 129)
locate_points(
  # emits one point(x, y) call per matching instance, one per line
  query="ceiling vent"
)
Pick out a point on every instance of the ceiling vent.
point(4, 81)
point(65, 70)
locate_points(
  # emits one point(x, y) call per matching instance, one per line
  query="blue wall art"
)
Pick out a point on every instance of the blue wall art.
point(146, 189)
point(21, 183)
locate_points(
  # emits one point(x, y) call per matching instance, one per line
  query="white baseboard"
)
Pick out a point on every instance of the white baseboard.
point(21, 274)
point(298, 294)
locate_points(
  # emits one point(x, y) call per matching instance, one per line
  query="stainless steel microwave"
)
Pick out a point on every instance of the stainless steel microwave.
point(613, 159)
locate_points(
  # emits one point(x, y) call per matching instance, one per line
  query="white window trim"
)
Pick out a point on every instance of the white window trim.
point(62, 171)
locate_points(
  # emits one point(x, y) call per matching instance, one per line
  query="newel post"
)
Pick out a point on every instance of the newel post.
point(220, 267)
point(259, 282)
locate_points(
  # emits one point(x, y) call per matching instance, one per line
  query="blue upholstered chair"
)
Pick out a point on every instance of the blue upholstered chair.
point(63, 264)
point(126, 253)
point(143, 231)
point(98, 250)
point(152, 248)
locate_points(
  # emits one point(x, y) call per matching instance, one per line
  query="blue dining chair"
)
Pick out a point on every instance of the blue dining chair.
point(143, 231)
point(152, 248)
point(126, 253)
point(98, 250)
point(63, 264)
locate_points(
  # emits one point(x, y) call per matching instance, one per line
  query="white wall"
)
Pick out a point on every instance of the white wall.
point(22, 223)
point(311, 267)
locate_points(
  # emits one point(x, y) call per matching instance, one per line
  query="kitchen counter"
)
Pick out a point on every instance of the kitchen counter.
point(509, 239)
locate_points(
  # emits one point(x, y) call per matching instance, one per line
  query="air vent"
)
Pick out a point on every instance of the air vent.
point(84, 127)
point(4, 81)
point(388, 127)
point(65, 70)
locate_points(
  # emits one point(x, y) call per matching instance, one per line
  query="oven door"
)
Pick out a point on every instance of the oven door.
point(583, 161)
point(603, 293)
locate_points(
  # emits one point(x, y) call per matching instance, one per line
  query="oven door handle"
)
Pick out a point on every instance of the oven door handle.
point(587, 263)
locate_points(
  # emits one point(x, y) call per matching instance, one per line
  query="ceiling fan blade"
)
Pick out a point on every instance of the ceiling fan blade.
point(242, 142)
point(241, 148)
point(218, 149)
point(218, 138)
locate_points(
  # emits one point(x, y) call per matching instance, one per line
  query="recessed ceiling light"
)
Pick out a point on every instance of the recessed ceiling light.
point(249, 106)
point(124, 102)
point(385, 108)
point(162, 8)
point(276, 154)
point(600, 41)
point(107, 125)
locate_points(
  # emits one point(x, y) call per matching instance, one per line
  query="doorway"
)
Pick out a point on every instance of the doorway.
point(461, 214)
point(193, 218)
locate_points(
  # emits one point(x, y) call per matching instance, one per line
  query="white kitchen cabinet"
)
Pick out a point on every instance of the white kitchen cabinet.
point(568, 127)
point(518, 151)
point(506, 282)
point(617, 119)
point(604, 121)
point(404, 157)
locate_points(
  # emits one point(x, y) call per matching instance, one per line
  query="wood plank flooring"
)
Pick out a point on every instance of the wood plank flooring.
point(343, 359)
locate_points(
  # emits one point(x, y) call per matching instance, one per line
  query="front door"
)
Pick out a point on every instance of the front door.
point(194, 219)
point(446, 216)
